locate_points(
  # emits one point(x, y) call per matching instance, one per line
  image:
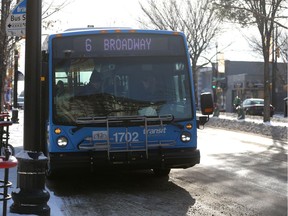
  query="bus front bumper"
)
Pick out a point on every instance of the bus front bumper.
point(156, 158)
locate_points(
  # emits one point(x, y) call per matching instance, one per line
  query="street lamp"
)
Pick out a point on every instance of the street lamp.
point(31, 196)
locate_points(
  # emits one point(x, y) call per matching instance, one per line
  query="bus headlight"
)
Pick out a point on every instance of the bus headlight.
point(185, 136)
point(62, 141)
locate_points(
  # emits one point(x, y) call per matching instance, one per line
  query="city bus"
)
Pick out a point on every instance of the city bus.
point(121, 98)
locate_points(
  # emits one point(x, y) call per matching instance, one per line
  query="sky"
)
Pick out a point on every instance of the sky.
point(80, 13)
point(125, 13)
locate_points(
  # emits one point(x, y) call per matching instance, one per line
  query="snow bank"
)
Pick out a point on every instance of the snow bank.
point(276, 129)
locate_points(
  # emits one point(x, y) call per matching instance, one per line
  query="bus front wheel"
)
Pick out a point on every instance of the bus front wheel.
point(50, 174)
point(161, 172)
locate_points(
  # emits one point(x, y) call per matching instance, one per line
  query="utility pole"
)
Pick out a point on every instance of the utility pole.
point(215, 75)
point(274, 66)
point(15, 89)
point(31, 196)
point(216, 99)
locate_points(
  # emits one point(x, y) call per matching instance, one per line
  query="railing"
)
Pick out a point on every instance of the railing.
point(7, 160)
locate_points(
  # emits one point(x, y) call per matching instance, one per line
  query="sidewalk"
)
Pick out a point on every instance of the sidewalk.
point(16, 139)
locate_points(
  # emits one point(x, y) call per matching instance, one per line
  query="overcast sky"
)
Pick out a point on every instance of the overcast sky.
point(125, 13)
point(81, 13)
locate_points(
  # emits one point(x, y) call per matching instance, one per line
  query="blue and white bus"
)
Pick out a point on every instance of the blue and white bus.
point(141, 113)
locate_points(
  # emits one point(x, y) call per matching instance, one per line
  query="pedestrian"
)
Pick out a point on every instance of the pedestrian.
point(236, 103)
point(238, 108)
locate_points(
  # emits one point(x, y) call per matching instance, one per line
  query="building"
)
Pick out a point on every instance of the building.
point(245, 79)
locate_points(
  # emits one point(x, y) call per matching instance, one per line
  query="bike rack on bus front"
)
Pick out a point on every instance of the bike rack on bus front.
point(88, 144)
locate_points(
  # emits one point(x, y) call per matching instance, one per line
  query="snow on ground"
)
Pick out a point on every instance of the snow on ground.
point(276, 128)
point(16, 139)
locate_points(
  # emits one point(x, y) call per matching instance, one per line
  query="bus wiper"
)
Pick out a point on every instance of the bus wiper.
point(180, 126)
point(114, 111)
point(91, 120)
point(172, 122)
point(82, 121)
point(74, 130)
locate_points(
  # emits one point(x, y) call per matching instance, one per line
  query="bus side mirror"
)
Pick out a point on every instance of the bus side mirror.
point(207, 108)
point(202, 120)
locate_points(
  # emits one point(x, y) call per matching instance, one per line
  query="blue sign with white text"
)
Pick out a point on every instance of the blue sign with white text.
point(20, 8)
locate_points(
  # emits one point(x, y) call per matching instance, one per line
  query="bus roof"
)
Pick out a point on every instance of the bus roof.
point(79, 31)
point(95, 28)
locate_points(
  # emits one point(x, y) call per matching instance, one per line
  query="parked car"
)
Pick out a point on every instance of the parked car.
point(20, 102)
point(255, 106)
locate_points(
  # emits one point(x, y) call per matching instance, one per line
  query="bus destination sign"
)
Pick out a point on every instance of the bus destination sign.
point(99, 45)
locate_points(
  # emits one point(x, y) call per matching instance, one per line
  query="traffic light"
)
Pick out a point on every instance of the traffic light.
point(214, 85)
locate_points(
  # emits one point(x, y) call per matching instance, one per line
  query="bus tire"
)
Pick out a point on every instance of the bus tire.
point(50, 174)
point(161, 172)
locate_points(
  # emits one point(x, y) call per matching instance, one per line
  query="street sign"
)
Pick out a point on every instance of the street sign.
point(16, 21)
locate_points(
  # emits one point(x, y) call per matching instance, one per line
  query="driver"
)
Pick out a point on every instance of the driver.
point(95, 83)
point(149, 88)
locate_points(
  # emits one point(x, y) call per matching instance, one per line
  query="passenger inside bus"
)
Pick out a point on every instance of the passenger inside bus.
point(149, 89)
point(60, 90)
point(95, 84)
point(62, 98)
point(113, 86)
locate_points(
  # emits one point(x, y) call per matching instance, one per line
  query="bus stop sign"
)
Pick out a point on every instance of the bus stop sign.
point(16, 21)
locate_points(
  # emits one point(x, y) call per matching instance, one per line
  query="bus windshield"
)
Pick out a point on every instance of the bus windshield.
point(102, 76)
point(91, 87)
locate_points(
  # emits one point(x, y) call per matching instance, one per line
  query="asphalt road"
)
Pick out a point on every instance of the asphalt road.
point(239, 174)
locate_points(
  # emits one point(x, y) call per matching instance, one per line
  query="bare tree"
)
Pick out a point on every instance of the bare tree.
point(265, 14)
point(197, 19)
point(8, 44)
point(49, 8)
point(282, 48)
point(5, 8)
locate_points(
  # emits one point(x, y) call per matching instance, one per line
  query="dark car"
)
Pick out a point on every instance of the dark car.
point(20, 102)
point(255, 106)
